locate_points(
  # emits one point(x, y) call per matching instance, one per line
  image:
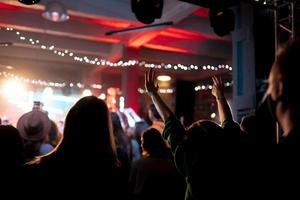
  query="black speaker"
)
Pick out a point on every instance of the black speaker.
point(146, 11)
point(29, 2)
point(222, 21)
point(185, 101)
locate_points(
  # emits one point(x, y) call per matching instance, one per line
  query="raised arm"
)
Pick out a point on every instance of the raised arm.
point(223, 106)
point(152, 90)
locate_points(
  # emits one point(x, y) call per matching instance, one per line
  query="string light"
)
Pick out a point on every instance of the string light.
point(161, 90)
point(209, 87)
point(102, 62)
point(269, 3)
point(45, 83)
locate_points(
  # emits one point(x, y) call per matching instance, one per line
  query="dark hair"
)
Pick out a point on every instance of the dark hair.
point(205, 132)
point(154, 144)
point(287, 63)
point(88, 132)
point(11, 147)
point(248, 123)
point(154, 111)
point(54, 135)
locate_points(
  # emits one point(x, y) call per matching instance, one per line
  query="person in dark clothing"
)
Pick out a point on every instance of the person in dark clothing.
point(11, 151)
point(85, 163)
point(154, 176)
point(12, 157)
point(198, 150)
point(282, 96)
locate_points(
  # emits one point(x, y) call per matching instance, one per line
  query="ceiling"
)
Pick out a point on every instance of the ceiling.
point(190, 40)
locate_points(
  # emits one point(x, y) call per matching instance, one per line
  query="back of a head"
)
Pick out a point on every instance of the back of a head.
point(153, 143)
point(248, 123)
point(88, 130)
point(205, 132)
point(287, 63)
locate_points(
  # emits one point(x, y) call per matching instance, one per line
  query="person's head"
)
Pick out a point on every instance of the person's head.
point(11, 147)
point(153, 144)
point(153, 113)
point(205, 132)
point(283, 77)
point(248, 124)
point(34, 128)
point(88, 132)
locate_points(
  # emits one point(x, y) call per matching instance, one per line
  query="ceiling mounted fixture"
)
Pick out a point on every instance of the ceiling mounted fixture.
point(56, 11)
point(29, 2)
point(164, 78)
point(222, 21)
point(146, 11)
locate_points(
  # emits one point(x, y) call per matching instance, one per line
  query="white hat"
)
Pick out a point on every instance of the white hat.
point(34, 125)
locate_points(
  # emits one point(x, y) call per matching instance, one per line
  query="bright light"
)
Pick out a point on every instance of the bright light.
point(164, 78)
point(48, 91)
point(122, 104)
point(213, 115)
point(9, 67)
point(102, 96)
point(12, 88)
point(87, 92)
point(131, 116)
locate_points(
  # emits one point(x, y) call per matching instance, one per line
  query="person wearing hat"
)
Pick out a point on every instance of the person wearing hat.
point(34, 128)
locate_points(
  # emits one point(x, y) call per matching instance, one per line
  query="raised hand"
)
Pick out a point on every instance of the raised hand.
point(218, 88)
point(150, 85)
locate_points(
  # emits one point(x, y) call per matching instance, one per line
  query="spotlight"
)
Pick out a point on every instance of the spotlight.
point(222, 21)
point(29, 2)
point(146, 11)
point(56, 11)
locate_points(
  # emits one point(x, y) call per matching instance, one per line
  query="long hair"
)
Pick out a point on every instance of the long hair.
point(287, 64)
point(88, 133)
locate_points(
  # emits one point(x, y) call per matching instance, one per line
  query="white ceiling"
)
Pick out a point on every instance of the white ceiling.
point(189, 41)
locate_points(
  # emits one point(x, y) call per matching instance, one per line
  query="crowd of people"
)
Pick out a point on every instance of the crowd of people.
point(97, 157)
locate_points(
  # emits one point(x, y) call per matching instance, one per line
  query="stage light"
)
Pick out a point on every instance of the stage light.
point(56, 12)
point(102, 96)
point(146, 11)
point(29, 2)
point(87, 92)
point(222, 21)
point(164, 78)
point(213, 115)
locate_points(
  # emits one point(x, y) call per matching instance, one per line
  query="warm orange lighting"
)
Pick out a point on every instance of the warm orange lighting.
point(187, 34)
point(166, 48)
point(143, 39)
point(176, 35)
point(164, 78)
point(103, 39)
point(201, 12)
point(107, 22)
point(9, 6)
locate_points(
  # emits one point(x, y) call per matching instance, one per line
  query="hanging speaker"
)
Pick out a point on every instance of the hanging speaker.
point(146, 11)
point(29, 2)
